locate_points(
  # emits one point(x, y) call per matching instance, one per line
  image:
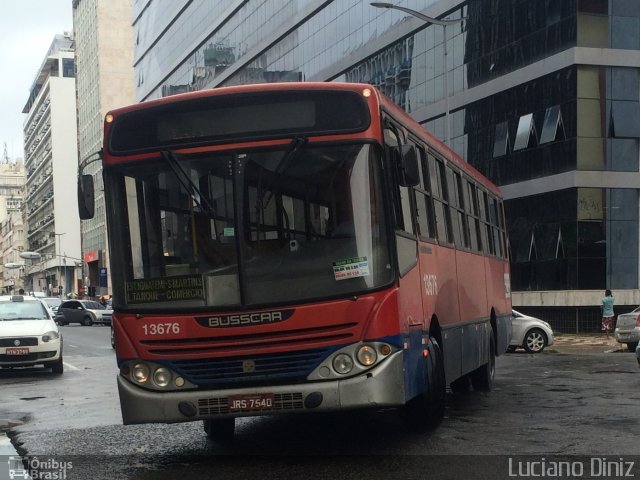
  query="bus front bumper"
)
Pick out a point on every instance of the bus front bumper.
point(382, 386)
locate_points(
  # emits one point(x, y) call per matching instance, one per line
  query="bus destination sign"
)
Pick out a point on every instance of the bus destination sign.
point(169, 289)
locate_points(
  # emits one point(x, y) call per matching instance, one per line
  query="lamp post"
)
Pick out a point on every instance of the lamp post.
point(445, 22)
point(32, 256)
point(58, 235)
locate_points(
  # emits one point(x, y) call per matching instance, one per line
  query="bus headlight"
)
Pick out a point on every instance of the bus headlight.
point(342, 363)
point(140, 372)
point(161, 377)
point(367, 355)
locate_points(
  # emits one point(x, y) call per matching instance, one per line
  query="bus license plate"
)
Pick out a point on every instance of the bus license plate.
point(250, 403)
point(17, 351)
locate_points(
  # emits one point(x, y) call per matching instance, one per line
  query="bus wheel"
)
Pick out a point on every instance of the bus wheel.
point(482, 377)
point(221, 429)
point(425, 411)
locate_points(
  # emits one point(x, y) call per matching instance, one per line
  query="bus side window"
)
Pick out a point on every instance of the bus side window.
point(424, 200)
point(485, 226)
point(439, 190)
point(496, 231)
point(472, 216)
point(403, 209)
point(462, 225)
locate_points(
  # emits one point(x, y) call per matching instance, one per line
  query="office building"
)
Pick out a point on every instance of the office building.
point(542, 96)
point(104, 80)
point(12, 239)
point(50, 161)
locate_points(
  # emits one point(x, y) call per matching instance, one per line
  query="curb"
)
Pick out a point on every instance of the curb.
point(7, 423)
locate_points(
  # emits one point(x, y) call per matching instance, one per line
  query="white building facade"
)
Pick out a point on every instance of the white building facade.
point(12, 238)
point(50, 204)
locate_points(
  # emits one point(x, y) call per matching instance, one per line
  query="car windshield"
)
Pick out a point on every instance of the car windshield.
point(25, 310)
point(251, 227)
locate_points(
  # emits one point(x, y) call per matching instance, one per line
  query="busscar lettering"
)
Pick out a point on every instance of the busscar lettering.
point(245, 319)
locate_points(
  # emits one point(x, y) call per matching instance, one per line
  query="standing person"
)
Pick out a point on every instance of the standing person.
point(607, 311)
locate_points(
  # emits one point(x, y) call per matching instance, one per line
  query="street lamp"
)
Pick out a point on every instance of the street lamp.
point(445, 22)
point(33, 256)
point(15, 266)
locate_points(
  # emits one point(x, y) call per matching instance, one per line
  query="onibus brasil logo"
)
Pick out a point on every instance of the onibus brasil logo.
point(33, 468)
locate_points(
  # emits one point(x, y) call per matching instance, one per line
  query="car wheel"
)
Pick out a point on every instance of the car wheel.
point(631, 346)
point(87, 321)
point(534, 341)
point(57, 367)
point(425, 411)
point(221, 429)
point(482, 377)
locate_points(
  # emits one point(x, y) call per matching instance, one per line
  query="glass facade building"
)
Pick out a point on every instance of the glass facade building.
point(542, 96)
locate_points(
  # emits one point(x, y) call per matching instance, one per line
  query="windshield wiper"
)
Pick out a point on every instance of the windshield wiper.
point(187, 183)
point(289, 155)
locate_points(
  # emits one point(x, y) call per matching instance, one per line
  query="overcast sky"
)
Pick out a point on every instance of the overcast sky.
point(27, 29)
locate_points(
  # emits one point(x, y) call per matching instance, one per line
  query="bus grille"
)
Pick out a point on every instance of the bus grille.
point(235, 371)
point(281, 401)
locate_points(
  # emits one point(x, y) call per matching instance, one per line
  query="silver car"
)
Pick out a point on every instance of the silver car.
point(529, 333)
point(628, 329)
point(84, 312)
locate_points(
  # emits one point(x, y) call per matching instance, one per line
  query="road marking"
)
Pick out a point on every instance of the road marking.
point(68, 365)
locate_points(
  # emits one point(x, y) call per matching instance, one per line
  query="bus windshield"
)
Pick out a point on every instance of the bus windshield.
point(250, 227)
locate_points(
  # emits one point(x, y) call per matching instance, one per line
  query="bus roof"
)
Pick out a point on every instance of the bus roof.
point(383, 102)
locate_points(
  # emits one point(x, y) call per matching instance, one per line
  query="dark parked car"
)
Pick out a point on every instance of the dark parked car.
point(85, 312)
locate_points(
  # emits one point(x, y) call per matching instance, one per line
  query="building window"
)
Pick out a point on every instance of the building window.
point(552, 125)
point(526, 130)
point(501, 140)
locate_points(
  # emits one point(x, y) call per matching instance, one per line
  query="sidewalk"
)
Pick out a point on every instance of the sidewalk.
point(591, 343)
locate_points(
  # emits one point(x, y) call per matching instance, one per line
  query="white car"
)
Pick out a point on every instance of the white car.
point(28, 334)
point(530, 333)
point(628, 329)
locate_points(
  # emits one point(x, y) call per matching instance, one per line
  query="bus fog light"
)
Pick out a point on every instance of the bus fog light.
point(367, 355)
point(140, 372)
point(161, 377)
point(343, 363)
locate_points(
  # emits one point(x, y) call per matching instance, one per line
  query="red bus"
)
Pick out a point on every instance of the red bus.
point(296, 247)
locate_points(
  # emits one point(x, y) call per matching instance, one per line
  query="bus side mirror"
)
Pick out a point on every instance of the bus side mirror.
point(86, 201)
point(407, 165)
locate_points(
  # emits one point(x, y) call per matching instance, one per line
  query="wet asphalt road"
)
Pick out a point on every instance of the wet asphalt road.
point(582, 402)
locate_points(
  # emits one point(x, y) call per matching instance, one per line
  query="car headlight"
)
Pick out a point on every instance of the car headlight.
point(343, 363)
point(52, 335)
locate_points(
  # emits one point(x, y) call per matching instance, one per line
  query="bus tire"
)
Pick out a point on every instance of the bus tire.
point(425, 411)
point(220, 429)
point(482, 377)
